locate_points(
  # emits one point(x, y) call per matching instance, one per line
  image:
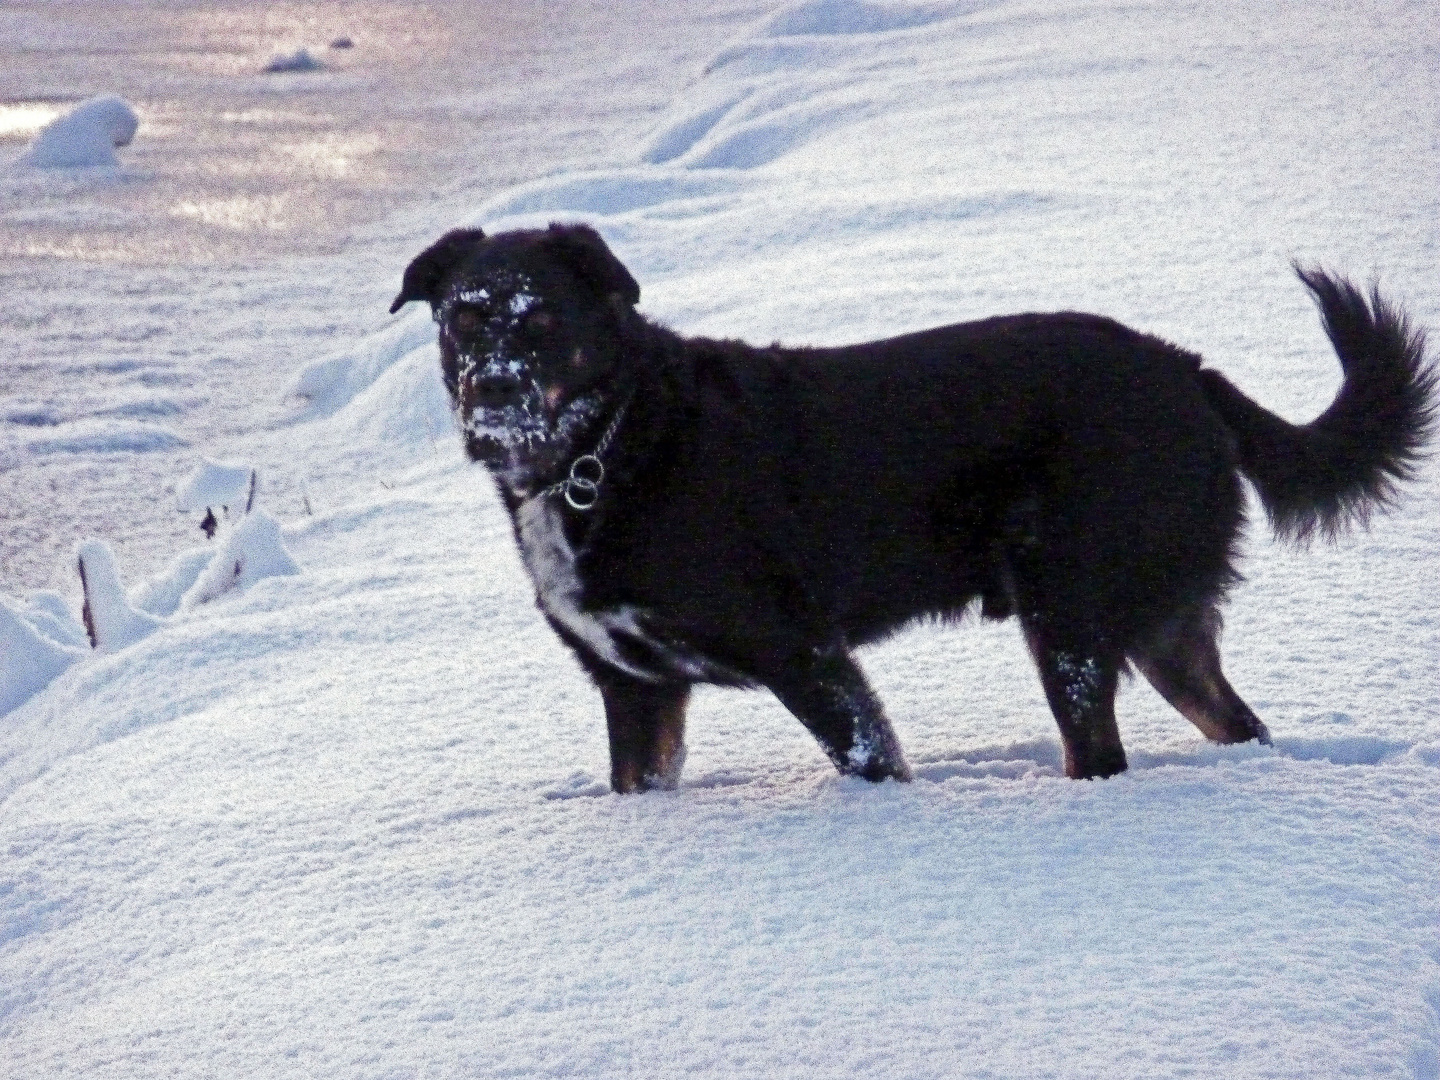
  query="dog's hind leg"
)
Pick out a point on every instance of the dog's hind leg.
point(647, 731)
point(1182, 662)
point(827, 691)
point(1080, 680)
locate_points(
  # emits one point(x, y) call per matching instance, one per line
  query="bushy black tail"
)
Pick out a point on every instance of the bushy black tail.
point(1335, 471)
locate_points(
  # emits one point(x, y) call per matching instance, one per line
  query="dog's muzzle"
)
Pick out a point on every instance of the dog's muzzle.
point(496, 389)
point(486, 449)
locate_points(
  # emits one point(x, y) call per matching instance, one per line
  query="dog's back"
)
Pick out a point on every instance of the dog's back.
point(892, 476)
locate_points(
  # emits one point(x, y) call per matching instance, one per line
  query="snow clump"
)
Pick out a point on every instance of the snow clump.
point(215, 483)
point(86, 136)
point(252, 552)
point(299, 60)
point(109, 617)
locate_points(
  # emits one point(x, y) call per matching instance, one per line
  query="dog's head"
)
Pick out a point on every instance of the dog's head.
point(530, 329)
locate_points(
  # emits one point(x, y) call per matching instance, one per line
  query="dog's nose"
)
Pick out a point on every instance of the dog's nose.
point(496, 388)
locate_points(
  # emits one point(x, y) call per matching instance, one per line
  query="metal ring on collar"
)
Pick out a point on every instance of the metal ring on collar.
point(587, 464)
point(580, 494)
point(582, 488)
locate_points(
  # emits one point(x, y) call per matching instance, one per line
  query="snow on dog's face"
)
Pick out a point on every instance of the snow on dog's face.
point(528, 324)
point(519, 386)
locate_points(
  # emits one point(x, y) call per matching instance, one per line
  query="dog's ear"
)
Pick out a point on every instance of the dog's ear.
point(586, 253)
point(428, 269)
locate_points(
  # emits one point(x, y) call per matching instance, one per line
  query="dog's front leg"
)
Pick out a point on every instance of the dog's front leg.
point(647, 731)
point(828, 693)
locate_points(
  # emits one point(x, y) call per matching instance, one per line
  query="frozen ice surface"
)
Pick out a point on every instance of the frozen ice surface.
point(350, 821)
point(86, 136)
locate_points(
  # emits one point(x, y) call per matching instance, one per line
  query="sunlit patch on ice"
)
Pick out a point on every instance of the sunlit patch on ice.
point(331, 156)
point(237, 211)
point(25, 118)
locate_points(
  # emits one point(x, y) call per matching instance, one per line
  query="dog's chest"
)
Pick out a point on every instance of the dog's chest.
point(551, 561)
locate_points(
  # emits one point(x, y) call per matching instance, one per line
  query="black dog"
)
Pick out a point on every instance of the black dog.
point(706, 511)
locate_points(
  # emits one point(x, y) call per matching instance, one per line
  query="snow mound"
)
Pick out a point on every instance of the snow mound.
point(615, 191)
point(37, 642)
point(253, 552)
point(215, 483)
point(98, 435)
point(86, 136)
point(776, 133)
point(144, 407)
point(299, 60)
point(823, 17)
point(690, 121)
point(113, 623)
point(407, 407)
point(332, 381)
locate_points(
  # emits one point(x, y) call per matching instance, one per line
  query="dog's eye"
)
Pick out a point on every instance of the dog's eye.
point(468, 320)
point(536, 323)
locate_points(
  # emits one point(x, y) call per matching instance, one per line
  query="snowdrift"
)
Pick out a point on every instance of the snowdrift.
point(350, 820)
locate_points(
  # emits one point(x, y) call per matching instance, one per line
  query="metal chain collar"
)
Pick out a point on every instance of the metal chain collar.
point(581, 488)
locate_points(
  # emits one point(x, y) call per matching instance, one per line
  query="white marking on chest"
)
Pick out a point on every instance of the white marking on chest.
point(551, 561)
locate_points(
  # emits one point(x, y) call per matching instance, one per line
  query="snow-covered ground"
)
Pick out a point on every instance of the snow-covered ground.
point(347, 817)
